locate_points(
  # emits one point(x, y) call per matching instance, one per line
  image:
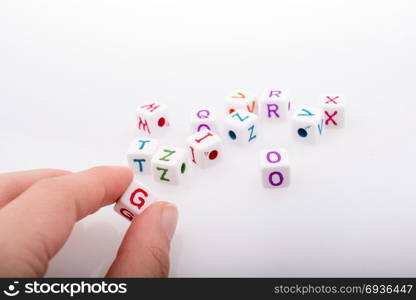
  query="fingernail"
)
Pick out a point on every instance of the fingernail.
point(169, 220)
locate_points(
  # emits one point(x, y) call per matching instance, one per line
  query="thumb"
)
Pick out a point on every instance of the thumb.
point(144, 251)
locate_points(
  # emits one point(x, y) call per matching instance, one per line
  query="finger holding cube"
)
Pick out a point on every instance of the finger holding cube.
point(169, 165)
point(275, 105)
point(140, 154)
point(241, 100)
point(308, 124)
point(275, 168)
point(241, 127)
point(205, 148)
point(152, 118)
point(334, 111)
point(134, 201)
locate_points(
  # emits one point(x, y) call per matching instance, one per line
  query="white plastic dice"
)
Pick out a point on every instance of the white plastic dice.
point(334, 111)
point(241, 127)
point(275, 168)
point(140, 153)
point(275, 105)
point(134, 201)
point(169, 165)
point(152, 118)
point(308, 124)
point(241, 100)
point(205, 148)
point(203, 119)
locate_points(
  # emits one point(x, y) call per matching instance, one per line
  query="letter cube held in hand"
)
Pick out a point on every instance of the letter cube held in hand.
point(134, 201)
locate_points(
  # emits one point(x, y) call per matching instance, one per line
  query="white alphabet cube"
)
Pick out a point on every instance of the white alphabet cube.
point(241, 100)
point(140, 153)
point(241, 127)
point(334, 111)
point(205, 148)
point(204, 119)
point(275, 168)
point(152, 118)
point(275, 105)
point(135, 200)
point(308, 124)
point(169, 165)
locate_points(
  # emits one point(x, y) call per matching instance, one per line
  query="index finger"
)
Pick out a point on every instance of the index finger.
point(13, 184)
point(36, 224)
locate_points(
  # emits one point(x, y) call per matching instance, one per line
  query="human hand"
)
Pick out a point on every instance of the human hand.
point(38, 210)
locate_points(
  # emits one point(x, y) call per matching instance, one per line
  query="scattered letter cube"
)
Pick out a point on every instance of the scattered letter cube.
point(203, 119)
point(152, 118)
point(169, 164)
point(308, 124)
point(334, 111)
point(241, 100)
point(134, 201)
point(140, 155)
point(275, 168)
point(274, 105)
point(204, 147)
point(241, 127)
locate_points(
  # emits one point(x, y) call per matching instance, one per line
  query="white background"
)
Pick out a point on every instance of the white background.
point(72, 73)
